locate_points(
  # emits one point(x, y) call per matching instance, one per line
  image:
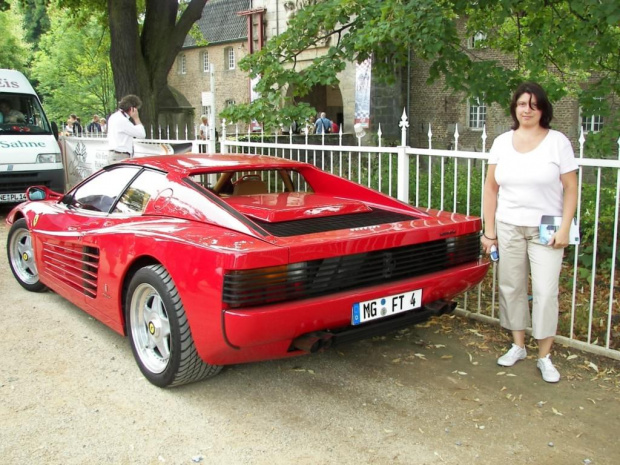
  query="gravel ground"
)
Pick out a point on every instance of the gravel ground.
point(71, 393)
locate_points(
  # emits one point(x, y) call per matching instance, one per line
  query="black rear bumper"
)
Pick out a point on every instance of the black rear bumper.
point(321, 340)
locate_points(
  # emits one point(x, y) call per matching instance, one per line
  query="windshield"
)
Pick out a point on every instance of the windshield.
point(22, 114)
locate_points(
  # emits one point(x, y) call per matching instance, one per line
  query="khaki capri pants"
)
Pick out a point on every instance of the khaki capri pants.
point(521, 252)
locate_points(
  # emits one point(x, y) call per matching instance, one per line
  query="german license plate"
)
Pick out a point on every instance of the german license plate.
point(385, 306)
point(11, 198)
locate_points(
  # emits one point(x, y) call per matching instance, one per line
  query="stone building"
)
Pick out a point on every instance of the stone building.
point(222, 45)
point(232, 29)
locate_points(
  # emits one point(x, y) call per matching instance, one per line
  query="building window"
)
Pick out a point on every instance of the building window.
point(181, 64)
point(477, 114)
point(230, 102)
point(592, 123)
point(477, 40)
point(205, 62)
point(206, 110)
point(230, 58)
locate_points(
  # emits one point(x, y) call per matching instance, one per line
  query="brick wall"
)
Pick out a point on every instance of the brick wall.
point(444, 110)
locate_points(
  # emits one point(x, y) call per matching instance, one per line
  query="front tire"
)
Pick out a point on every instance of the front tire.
point(161, 339)
point(20, 252)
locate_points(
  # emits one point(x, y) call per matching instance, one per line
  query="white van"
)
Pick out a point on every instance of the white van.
point(29, 150)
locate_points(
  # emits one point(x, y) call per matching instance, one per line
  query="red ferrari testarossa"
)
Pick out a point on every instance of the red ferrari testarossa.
point(211, 260)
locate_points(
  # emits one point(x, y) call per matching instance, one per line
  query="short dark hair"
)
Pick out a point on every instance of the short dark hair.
point(542, 103)
point(129, 101)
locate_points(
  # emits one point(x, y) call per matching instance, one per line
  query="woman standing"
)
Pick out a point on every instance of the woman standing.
point(532, 172)
point(203, 133)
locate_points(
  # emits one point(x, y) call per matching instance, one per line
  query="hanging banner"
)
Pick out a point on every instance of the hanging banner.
point(146, 149)
point(362, 92)
point(255, 126)
point(83, 157)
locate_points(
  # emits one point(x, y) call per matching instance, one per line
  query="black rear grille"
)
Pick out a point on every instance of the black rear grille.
point(333, 223)
point(327, 276)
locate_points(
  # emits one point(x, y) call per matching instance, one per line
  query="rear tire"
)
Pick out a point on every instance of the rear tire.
point(20, 252)
point(160, 336)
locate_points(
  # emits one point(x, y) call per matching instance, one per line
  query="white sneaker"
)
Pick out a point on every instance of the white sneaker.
point(511, 357)
point(548, 371)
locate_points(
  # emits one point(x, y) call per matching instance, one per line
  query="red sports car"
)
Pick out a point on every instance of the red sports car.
point(210, 260)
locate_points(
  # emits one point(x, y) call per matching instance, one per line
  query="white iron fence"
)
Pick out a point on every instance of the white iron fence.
point(453, 180)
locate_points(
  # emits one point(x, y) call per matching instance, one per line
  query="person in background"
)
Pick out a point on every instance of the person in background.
point(322, 125)
point(94, 127)
point(532, 172)
point(334, 127)
point(123, 126)
point(9, 114)
point(69, 127)
point(310, 125)
point(75, 123)
point(104, 126)
point(203, 133)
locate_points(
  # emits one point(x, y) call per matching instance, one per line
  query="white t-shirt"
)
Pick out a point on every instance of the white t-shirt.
point(529, 183)
point(121, 132)
point(204, 131)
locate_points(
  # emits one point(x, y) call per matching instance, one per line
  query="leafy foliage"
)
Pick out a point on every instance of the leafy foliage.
point(13, 50)
point(72, 66)
point(560, 43)
point(36, 21)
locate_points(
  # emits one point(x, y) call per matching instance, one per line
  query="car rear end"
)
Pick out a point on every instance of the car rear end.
point(348, 276)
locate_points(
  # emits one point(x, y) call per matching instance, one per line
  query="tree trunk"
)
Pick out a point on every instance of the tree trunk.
point(141, 62)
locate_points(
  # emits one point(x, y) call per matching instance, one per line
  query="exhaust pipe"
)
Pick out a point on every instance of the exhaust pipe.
point(313, 342)
point(439, 307)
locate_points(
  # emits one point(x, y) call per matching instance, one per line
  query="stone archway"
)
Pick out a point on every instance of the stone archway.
point(327, 99)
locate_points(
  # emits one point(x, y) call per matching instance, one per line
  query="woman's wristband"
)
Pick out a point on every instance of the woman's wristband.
point(489, 238)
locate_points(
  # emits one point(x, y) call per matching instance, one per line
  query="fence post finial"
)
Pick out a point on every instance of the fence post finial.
point(404, 124)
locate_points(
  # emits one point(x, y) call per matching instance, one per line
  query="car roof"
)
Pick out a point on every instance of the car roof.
point(188, 163)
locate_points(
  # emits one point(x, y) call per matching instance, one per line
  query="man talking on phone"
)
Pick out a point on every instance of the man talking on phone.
point(123, 126)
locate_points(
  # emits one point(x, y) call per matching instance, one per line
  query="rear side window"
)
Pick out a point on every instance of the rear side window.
point(145, 187)
point(234, 183)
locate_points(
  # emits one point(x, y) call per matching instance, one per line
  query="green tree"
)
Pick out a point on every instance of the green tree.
point(72, 66)
point(143, 49)
point(145, 38)
point(560, 43)
point(36, 21)
point(13, 50)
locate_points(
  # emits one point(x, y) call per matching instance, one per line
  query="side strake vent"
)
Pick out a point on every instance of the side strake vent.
point(262, 286)
point(332, 223)
point(74, 265)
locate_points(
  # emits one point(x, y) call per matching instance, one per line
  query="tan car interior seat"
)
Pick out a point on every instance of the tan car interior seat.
point(250, 187)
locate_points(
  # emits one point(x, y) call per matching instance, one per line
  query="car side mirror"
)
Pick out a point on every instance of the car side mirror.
point(55, 130)
point(35, 193)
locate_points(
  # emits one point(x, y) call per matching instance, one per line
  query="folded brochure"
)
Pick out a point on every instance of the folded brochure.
point(550, 224)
